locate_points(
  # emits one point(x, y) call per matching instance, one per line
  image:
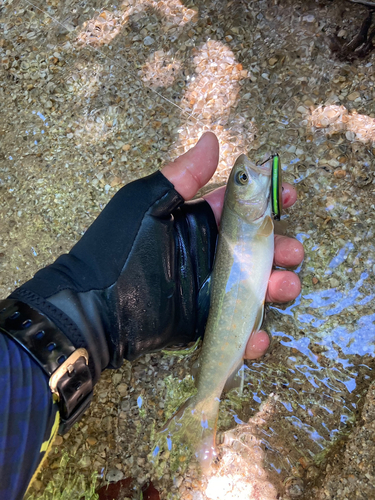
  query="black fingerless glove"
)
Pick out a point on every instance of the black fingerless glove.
point(137, 281)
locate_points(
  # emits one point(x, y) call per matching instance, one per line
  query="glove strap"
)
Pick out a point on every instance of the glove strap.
point(70, 378)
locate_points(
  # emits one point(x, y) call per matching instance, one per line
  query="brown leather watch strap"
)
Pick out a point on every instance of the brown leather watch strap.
point(66, 366)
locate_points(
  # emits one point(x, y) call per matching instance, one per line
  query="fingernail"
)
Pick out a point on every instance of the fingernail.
point(201, 138)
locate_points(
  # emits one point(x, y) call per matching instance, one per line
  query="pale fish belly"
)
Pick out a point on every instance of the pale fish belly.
point(242, 269)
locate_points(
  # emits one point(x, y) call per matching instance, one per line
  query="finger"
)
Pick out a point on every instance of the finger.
point(289, 252)
point(283, 286)
point(191, 171)
point(216, 199)
point(257, 345)
point(289, 195)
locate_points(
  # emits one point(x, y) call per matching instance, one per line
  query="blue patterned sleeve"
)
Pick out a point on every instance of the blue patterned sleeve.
point(28, 419)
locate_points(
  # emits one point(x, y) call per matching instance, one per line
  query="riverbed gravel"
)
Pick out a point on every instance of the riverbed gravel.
point(95, 95)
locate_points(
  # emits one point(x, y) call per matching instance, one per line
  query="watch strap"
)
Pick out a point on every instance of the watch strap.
point(66, 367)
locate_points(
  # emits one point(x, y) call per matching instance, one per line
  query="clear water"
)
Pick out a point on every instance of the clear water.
point(95, 95)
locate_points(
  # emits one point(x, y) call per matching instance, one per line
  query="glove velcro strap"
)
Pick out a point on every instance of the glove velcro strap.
point(67, 367)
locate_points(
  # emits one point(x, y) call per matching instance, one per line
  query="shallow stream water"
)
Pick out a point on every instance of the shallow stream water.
point(96, 94)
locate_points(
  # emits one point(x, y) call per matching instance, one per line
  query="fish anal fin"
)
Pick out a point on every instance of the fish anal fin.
point(236, 378)
point(258, 320)
point(234, 381)
point(266, 228)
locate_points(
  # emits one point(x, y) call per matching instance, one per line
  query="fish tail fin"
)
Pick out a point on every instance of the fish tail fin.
point(208, 449)
point(190, 433)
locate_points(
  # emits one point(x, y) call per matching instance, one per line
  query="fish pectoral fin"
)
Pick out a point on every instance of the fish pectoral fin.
point(195, 369)
point(266, 228)
point(280, 227)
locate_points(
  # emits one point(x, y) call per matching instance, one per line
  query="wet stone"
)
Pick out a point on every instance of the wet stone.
point(148, 40)
point(58, 440)
point(114, 475)
point(117, 377)
point(122, 389)
point(85, 462)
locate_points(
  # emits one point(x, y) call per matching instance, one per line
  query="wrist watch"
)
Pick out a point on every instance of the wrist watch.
point(70, 378)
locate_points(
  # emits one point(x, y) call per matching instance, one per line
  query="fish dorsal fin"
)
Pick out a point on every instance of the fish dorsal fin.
point(266, 228)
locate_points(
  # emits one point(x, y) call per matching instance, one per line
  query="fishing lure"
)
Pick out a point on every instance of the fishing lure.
point(276, 184)
point(276, 187)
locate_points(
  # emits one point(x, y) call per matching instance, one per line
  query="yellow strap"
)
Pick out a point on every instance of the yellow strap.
point(47, 446)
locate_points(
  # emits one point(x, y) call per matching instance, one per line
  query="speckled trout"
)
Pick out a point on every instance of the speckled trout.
point(242, 267)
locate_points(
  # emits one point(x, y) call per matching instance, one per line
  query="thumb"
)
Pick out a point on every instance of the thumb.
point(191, 171)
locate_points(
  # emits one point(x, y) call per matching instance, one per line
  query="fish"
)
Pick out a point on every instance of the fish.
point(242, 267)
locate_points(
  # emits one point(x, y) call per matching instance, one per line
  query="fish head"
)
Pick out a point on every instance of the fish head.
point(248, 188)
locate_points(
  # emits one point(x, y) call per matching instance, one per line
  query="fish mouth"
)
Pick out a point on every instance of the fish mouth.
point(264, 166)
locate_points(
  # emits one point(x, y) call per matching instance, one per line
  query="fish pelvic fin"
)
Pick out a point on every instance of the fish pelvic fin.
point(266, 228)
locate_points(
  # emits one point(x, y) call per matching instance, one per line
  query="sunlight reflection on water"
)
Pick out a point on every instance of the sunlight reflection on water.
point(315, 375)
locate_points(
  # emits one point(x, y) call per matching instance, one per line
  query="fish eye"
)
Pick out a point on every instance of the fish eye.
point(242, 177)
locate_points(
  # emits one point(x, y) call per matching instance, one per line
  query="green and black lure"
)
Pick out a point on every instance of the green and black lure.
point(276, 187)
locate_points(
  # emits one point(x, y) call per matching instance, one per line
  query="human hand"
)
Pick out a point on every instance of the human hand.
point(192, 171)
point(137, 281)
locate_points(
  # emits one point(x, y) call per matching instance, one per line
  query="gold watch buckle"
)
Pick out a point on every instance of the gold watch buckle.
point(67, 367)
